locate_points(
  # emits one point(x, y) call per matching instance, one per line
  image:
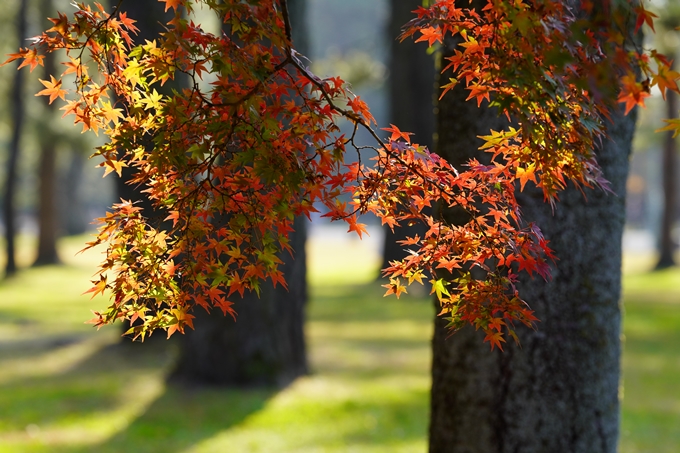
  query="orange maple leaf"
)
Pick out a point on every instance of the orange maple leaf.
point(360, 228)
point(495, 338)
point(99, 287)
point(174, 4)
point(431, 35)
point(632, 93)
point(666, 78)
point(479, 92)
point(397, 134)
point(52, 89)
point(526, 174)
point(30, 56)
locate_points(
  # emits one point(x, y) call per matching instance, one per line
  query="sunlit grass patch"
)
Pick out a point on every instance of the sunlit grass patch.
point(651, 363)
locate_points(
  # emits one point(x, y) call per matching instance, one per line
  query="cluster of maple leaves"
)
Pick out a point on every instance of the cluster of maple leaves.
point(253, 140)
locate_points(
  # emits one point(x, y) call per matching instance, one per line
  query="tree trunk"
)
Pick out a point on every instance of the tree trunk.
point(48, 223)
point(74, 217)
point(559, 391)
point(666, 243)
point(150, 16)
point(17, 106)
point(265, 346)
point(411, 95)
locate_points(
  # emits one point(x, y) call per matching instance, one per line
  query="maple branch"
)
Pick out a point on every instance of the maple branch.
point(358, 120)
point(286, 21)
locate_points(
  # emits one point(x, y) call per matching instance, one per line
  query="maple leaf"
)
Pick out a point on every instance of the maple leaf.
point(666, 78)
point(98, 288)
point(111, 165)
point(644, 16)
point(397, 134)
point(110, 113)
point(52, 89)
point(174, 4)
point(390, 221)
point(673, 125)
point(448, 87)
point(479, 92)
point(394, 287)
point(431, 35)
point(495, 338)
point(439, 288)
point(225, 306)
point(129, 23)
point(632, 93)
point(174, 216)
point(359, 228)
point(60, 24)
point(30, 58)
point(526, 174)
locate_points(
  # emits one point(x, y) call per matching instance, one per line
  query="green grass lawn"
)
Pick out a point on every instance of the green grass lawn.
point(65, 387)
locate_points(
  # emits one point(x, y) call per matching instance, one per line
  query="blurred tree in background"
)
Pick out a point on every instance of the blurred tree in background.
point(667, 39)
point(411, 99)
point(43, 173)
point(17, 113)
point(48, 222)
point(266, 346)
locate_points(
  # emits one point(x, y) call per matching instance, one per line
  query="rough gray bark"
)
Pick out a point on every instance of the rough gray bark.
point(266, 345)
point(17, 106)
point(411, 103)
point(558, 392)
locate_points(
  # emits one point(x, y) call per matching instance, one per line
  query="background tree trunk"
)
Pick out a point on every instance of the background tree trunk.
point(667, 245)
point(559, 391)
point(73, 212)
point(17, 106)
point(150, 16)
point(266, 344)
point(48, 222)
point(411, 103)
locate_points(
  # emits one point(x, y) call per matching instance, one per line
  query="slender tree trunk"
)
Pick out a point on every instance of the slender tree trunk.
point(265, 346)
point(17, 106)
point(74, 218)
point(669, 168)
point(559, 391)
point(411, 95)
point(47, 179)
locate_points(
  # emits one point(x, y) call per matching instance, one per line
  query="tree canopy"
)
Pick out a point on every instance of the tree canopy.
point(254, 140)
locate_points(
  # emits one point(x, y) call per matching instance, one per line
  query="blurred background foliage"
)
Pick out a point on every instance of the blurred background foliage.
point(65, 387)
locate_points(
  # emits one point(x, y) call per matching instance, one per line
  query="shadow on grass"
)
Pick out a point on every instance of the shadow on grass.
point(180, 418)
point(79, 378)
point(100, 381)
